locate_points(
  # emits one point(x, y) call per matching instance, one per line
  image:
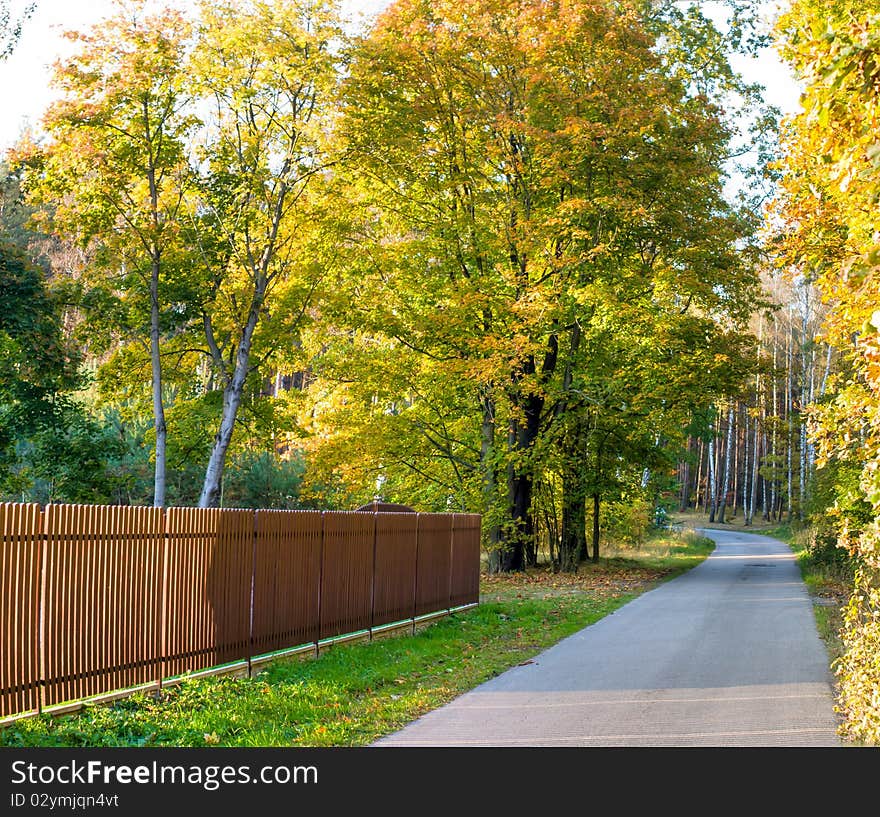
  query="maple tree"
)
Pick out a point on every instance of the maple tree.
point(265, 73)
point(518, 166)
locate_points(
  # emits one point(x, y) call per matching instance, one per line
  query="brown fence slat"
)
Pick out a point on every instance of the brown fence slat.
point(96, 599)
point(102, 599)
point(346, 572)
point(394, 582)
point(434, 559)
point(287, 579)
point(20, 569)
point(465, 565)
point(208, 590)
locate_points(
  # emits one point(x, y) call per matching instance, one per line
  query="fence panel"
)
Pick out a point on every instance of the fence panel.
point(394, 587)
point(208, 587)
point(346, 572)
point(95, 599)
point(21, 559)
point(102, 608)
point(465, 566)
point(434, 561)
point(287, 579)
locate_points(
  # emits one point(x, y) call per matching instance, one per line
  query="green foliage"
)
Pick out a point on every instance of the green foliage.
point(72, 462)
point(495, 236)
point(540, 245)
point(830, 190)
point(262, 479)
point(625, 521)
point(36, 365)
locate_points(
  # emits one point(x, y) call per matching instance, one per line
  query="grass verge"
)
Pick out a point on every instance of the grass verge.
point(354, 693)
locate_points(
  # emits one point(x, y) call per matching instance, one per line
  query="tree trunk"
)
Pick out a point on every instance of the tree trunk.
point(725, 484)
point(573, 544)
point(490, 480)
point(159, 481)
point(685, 477)
point(712, 486)
point(765, 511)
point(774, 482)
point(232, 394)
point(736, 449)
point(519, 501)
point(789, 403)
point(754, 484)
point(745, 476)
point(574, 519)
point(596, 527)
point(522, 435)
point(699, 482)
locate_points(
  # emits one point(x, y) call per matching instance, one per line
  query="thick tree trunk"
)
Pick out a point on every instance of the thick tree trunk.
point(573, 548)
point(774, 482)
point(574, 519)
point(765, 510)
point(756, 459)
point(523, 431)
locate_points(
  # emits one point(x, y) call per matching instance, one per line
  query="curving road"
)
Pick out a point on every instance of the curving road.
point(724, 655)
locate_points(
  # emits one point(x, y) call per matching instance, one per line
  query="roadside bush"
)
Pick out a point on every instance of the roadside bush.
point(624, 522)
point(262, 479)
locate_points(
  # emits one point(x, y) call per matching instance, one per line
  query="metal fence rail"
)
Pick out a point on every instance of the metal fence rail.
point(98, 599)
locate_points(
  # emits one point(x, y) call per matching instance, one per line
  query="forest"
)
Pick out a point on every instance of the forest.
point(555, 262)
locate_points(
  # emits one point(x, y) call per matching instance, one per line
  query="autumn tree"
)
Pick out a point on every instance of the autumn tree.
point(263, 75)
point(517, 165)
point(828, 206)
point(112, 172)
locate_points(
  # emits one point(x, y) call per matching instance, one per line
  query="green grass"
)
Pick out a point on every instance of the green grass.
point(353, 693)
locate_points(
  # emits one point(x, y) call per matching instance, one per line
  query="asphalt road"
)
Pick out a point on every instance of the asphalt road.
point(725, 655)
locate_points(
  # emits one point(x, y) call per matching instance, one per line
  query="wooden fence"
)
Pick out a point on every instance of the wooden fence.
point(97, 599)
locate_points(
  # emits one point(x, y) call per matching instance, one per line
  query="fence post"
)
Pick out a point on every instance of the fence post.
point(251, 594)
point(163, 610)
point(373, 577)
point(320, 585)
point(41, 614)
point(416, 571)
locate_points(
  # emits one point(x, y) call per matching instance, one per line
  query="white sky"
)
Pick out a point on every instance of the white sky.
point(24, 91)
